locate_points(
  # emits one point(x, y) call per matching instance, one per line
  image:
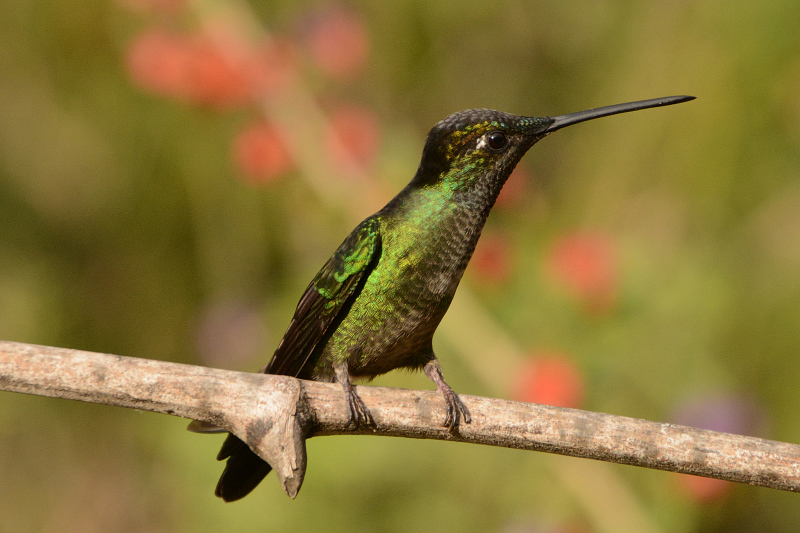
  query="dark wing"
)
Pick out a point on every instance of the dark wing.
point(325, 296)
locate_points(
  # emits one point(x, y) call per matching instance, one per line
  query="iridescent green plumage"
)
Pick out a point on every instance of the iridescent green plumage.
point(376, 303)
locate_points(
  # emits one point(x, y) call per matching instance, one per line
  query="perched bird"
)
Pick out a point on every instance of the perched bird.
point(374, 306)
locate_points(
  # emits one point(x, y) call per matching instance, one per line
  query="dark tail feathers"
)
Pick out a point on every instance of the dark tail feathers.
point(243, 471)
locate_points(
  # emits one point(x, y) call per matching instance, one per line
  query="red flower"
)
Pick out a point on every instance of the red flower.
point(551, 379)
point(492, 260)
point(514, 189)
point(168, 7)
point(338, 43)
point(157, 60)
point(703, 489)
point(353, 137)
point(213, 67)
point(261, 154)
point(217, 73)
point(271, 66)
point(585, 264)
point(729, 413)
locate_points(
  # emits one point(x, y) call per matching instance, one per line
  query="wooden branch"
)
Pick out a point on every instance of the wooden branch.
point(276, 414)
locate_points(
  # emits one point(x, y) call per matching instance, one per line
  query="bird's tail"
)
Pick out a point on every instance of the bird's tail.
point(243, 471)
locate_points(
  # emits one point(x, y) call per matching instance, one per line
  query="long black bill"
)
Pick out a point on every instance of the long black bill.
point(582, 116)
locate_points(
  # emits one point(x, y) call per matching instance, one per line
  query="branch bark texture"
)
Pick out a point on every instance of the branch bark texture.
point(276, 414)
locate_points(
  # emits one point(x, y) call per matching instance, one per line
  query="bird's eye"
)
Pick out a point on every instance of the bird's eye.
point(496, 140)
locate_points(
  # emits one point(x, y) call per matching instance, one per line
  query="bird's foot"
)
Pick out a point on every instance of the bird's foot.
point(455, 407)
point(357, 412)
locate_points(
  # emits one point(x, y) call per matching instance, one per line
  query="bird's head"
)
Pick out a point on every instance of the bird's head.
point(482, 147)
point(468, 145)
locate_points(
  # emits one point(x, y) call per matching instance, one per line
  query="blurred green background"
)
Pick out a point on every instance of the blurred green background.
point(156, 201)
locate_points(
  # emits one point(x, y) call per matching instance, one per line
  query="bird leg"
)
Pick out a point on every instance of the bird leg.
point(357, 412)
point(455, 407)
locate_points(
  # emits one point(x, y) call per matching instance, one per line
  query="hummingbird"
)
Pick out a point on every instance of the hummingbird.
point(376, 303)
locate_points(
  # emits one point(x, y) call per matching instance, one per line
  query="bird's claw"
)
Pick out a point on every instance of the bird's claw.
point(455, 410)
point(455, 407)
point(357, 412)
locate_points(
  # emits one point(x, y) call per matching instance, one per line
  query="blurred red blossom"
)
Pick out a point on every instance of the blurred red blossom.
point(338, 42)
point(492, 260)
point(218, 72)
point(550, 379)
point(586, 264)
point(353, 137)
point(167, 7)
point(728, 413)
point(514, 189)
point(272, 66)
point(157, 60)
point(703, 489)
point(212, 67)
point(260, 153)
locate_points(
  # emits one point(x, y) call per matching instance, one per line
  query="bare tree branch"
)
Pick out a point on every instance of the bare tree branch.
point(275, 414)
